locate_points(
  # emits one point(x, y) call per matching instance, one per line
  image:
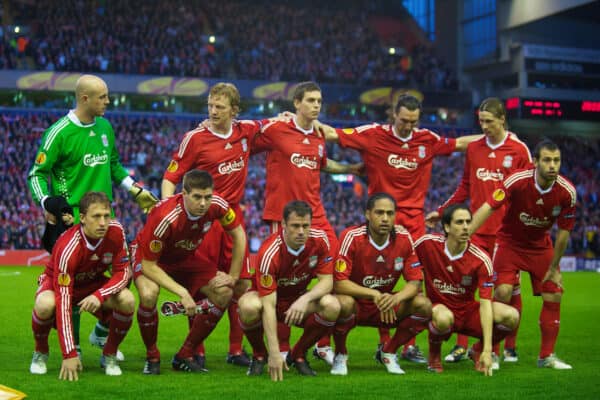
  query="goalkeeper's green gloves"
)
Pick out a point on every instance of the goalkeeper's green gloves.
point(144, 198)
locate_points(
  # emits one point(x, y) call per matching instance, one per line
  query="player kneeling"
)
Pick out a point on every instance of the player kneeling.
point(75, 276)
point(454, 269)
point(370, 261)
point(287, 261)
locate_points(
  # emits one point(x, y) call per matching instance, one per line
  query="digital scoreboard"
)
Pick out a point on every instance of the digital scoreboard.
point(527, 108)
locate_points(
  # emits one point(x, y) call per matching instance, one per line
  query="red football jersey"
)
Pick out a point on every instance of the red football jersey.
point(531, 211)
point(400, 167)
point(287, 271)
point(170, 235)
point(486, 166)
point(294, 161)
point(225, 157)
point(75, 264)
point(453, 280)
point(377, 267)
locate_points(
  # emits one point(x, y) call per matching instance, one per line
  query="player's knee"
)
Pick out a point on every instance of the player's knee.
point(126, 301)
point(250, 308)
point(45, 306)
point(443, 321)
point(148, 292)
point(347, 305)
point(512, 318)
point(330, 307)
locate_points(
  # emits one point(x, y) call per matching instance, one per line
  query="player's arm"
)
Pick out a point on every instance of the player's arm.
point(152, 271)
point(560, 246)
point(353, 289)
point(328, 132)
point(269, 319)
point(487, 321)
point(167, 189)
point(480, 216)
point(334, 167)
point(297, 311)
point(463, 141)
point(238, 236)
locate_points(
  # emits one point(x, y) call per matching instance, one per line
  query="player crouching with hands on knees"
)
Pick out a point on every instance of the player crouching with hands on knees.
point(454, 269)
point(75, 276)
point(287, 262)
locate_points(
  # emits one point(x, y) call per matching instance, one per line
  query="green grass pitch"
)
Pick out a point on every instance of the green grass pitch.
point(578, 344)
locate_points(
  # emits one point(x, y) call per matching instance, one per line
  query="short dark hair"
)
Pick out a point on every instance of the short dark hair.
point(93, 198)
point(544, 144)
point(449, 213)
point(407, 101)
point(197, 179)
point(379, 196)
point(301, 208)
point(304, 87)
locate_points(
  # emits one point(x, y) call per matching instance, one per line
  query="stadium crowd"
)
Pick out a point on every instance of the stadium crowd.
point(147, 143)
point(261, 40)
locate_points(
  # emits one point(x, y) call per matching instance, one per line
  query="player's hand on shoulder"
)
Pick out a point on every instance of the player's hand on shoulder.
point(432, 219)
point(70, 368)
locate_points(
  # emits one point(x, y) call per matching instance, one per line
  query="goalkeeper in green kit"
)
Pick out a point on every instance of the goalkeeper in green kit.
point(77, 155)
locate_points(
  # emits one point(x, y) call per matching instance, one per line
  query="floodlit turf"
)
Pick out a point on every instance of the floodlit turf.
point(577, 345)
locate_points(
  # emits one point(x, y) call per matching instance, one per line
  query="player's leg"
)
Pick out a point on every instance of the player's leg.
point(218, 298)
point(147, 318)
point(440, 329)
point(250, 320)
point(122, 305)
point(236, 354)
point(42, 320)
point(320, 321)
point(550, 314)
point(413, 316)
point(510, 342)
point(345, 322)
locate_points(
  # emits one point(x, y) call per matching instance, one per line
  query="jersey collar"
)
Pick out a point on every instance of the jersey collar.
point(304, 131)
point(538, 187)
point(495, 146)
point(456, 257)
point(378, 247)
point(222, 135)
point(405, 140)
point(89, 246)
point(71, 115)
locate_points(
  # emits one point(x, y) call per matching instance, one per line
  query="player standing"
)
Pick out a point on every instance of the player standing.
point(222, 148)
point(75, 276)
point(488, 162)
point(534, 200)
point(78, 154)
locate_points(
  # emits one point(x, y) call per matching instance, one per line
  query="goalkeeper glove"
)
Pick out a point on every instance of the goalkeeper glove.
point(144, 198)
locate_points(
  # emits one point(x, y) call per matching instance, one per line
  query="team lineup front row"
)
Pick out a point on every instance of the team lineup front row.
point(355, 281)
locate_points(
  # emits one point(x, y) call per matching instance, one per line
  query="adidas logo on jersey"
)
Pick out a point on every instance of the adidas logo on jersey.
point(306, 141)
point(92, 134)
point(540, 202)
point(405, 146)
point(449, 268)
point(380, 259)
point(296, 262)
point(492, 155)
point(228, 146)
point(94, 257)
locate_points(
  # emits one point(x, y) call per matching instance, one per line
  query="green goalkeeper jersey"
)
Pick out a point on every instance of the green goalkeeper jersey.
point(76, 158)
